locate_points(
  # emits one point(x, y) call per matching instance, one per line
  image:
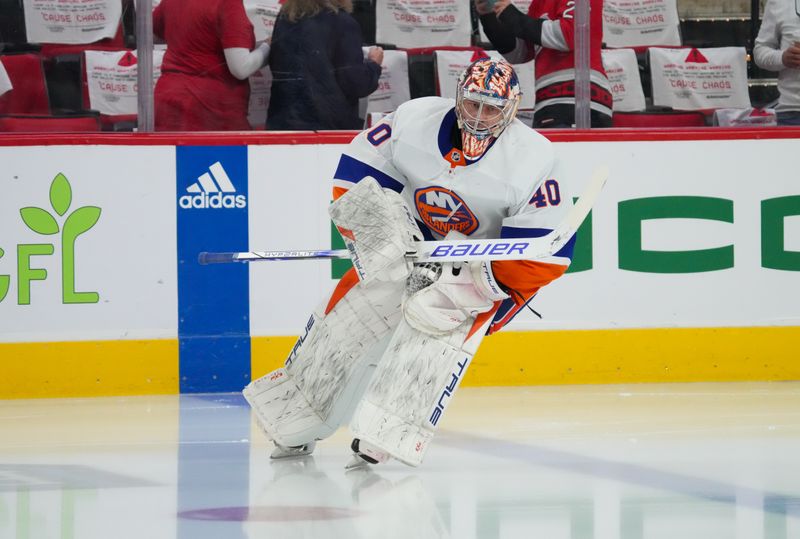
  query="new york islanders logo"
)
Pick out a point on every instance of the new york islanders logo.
point(443, 210)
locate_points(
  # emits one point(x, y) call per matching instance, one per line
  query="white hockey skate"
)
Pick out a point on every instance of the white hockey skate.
point(284, 452)
point(365, 454)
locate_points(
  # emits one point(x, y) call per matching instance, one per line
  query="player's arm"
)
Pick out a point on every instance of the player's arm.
point(514, 49)
point(159, 25)
point(369, 155)
point(522, 279)
point(767, 51)
point(355, 75)
point(368, 210)
point(235, 33)
point(501, 288)
point(557, 33)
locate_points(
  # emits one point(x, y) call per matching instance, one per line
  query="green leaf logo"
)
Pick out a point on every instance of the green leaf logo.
point(82, 220)
point(60, 194)
point(43, 222)
point(39, 220)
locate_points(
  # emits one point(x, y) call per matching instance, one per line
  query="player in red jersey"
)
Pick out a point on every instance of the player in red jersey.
point(211, 52)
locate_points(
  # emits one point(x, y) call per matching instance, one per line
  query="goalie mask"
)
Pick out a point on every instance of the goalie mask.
point(487, 97)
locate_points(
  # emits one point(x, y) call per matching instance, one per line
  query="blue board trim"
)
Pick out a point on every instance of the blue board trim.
point(214, 300)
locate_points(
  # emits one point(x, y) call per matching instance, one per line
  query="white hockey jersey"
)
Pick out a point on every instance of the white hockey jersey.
point(511, 191)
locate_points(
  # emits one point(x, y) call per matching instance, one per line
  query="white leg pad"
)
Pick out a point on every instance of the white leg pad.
point(412, 386)
point(329, 368)
point(282, 411)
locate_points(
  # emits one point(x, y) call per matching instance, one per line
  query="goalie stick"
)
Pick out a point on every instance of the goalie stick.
point(458, 250)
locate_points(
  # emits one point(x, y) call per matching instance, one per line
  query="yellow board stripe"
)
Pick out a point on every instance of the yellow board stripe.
point(637, 355)
point(512, 358)
point(146, 367)
point(88, 369)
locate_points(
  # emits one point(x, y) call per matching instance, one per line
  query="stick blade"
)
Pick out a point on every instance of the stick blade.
point(205, 258)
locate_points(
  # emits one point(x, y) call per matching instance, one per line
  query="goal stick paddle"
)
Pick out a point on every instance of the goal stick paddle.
point(459, 250)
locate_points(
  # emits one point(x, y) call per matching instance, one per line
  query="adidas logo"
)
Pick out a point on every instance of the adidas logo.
point(213, 189)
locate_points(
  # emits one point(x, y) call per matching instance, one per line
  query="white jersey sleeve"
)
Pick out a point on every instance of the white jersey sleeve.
point(542, 209)
point(370, 154)
point(540, 212)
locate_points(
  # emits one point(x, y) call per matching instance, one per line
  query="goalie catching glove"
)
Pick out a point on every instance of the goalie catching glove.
point(378, 230)
point(458, 292)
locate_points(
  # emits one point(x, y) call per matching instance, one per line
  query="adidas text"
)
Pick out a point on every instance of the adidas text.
point(214, 200)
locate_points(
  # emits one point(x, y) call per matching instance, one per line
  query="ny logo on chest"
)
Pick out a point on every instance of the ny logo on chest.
point(443, 210)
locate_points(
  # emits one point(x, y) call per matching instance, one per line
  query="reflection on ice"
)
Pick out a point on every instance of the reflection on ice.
point(303, 500)
point(695, 461)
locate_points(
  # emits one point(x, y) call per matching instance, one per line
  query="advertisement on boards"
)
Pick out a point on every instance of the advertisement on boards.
point(87, 243)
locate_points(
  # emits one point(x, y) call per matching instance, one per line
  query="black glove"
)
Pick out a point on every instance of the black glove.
point(520, 25)
point(500, 36)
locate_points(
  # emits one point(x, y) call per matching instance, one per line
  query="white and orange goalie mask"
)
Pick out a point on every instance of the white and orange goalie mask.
point(487, 97)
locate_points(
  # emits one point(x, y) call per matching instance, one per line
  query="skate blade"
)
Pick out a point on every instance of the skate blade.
point(281, 452)
point(357, 463)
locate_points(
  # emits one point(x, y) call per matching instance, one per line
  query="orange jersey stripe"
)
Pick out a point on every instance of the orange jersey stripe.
point(346, 232)
point(348, 281)
point(481, 319)
point(338, 191)
point(525, 277)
